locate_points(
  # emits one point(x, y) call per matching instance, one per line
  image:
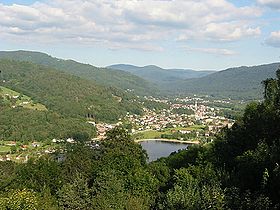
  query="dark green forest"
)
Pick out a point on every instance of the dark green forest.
point(71, 101)
point(101, 76)
point(27, 125)
point(65, 94)
point(238, 170)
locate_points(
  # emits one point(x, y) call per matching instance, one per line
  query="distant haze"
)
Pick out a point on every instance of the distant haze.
point(156, 74)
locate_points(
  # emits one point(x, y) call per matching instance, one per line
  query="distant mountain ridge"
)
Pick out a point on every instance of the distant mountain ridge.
point(159, 75)
point(240, 82)
point(101, 76)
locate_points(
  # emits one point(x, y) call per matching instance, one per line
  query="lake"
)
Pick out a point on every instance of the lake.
point(158, 149)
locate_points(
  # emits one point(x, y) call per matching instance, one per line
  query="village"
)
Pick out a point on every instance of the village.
point(189, 119)
point(185, 119)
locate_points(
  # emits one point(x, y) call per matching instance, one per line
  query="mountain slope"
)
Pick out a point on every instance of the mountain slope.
point(66, 94)
point(242, 82)
point(159, 75)
point(101, 76)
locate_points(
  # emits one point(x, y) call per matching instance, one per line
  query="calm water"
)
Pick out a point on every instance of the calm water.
point(158, 149)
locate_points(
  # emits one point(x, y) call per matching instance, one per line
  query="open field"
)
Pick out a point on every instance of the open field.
point(4, 149)
point(21, 154)
point(153, 134)
point(168, 140)
point(20, 99)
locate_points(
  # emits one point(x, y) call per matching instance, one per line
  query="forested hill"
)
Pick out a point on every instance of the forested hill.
point(66, 94)
point(159, 75)
point(101, 76)
point(241, 82)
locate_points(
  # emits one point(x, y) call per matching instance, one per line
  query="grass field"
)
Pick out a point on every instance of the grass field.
point(4, 149)
point(190, 128)
point(39, 107)
point(23, 101)
point(9, 91)
point(152, 134)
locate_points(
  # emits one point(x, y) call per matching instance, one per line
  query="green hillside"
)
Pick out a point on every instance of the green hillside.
point(243, 82)
point(66, 94)
point(101, 76)
point(33, 122)
point(15, 99)
point(26, 125)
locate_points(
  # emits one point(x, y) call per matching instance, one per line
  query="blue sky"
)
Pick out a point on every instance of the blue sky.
point(22, 2)
point(193, 34)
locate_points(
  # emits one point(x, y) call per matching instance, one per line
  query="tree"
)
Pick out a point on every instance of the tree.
point(24, 199)
point(110, 193)
point(75, 195)
point(249, 151)
point(194, 189)
point(39, 174)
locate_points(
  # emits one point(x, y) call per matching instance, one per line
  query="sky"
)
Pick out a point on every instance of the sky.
point(189, 34)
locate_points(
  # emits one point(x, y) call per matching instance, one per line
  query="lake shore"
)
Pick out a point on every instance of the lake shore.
point(168, 140)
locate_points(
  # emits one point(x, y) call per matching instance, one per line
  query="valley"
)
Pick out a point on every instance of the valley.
point(190, 119)
point(59, 119)
point(67, 91)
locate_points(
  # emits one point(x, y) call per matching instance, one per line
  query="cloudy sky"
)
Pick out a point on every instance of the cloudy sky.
point(197, 34)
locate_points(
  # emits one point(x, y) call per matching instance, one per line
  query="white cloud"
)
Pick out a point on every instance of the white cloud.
point(273, 4)
point(274, 39)
point(216, 51)
point(127, 24)
point(230, 31)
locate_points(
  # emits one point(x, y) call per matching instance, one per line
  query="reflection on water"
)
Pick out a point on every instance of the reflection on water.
point(158, 149)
